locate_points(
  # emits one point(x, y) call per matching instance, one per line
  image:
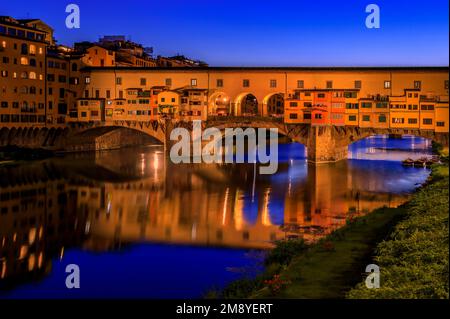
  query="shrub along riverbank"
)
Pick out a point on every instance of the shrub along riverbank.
point(413, 260)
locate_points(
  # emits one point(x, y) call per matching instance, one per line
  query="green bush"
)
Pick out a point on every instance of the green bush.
point(284, 251)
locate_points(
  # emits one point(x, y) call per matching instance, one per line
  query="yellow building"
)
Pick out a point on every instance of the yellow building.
point(193, 103)
point(352, 109)
point(98, 56)
point(169, 103)
point(441, 115)
point(22, 74)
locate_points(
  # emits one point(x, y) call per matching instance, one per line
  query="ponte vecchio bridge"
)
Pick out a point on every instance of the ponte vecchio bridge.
point(326, 109)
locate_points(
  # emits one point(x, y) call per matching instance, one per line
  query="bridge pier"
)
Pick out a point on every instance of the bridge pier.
point(325, 145)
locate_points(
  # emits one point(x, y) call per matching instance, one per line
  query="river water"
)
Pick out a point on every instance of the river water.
point(138, 226)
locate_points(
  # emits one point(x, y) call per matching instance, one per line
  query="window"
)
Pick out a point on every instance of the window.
point(143, 81)
point(5, 73)
point(357, 84)
point(300, 84)
point(352, 118)
point(62, 92)
point(440, 124)
point(306, 116)
point(427, 121)
point(366, 118)
point(349, 95)
point(318, 116)
point(23, 48)
point(24, 61)
point(387, 84)
point(97, 94)
point(193, 82)
point(246, 83)
point(417, 84)
point(83, 114)
point(219, 83)
point(24, 75)
point(412, 121)
point(32, 75)
point(398, 120)
point(62, 79)
point(5, 59)
point(168, 82)
point(87, 80)
point(32, 49)
point(293, 116)
point(119, 81)
point(427, 107)
point(366, 105)
point(381, 105)
point(446, 84)
point(382, 119)
point(273, 83)
point(293, 104)
point(4, 104)
point(321, 95)
point(351, 106)
point(74, 67)
point(108, 94)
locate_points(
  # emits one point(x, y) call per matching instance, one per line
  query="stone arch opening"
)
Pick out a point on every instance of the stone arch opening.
point(246, 105)
point(219, 104)
point(273, 105)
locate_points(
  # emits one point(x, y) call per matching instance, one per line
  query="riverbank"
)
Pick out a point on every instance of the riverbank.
point(414, 261)
point(13, 154)
point(333, 266)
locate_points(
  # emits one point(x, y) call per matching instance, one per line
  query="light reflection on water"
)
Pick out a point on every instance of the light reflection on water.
point(139, 226)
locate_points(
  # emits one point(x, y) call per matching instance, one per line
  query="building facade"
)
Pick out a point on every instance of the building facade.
point(410, 98)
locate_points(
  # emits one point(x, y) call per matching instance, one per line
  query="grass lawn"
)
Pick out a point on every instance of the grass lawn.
point(334, 265)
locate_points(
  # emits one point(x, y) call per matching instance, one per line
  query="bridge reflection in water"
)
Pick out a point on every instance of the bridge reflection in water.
point(106, 200)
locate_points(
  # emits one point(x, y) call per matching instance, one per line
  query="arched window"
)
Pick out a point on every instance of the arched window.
point(24, 61)
point(32, 62)
point(24, 48)
point(32, 49)
point(32, 75)
point(32, 90)
point(23, 90)
point(24, 75)
point(25, 106)
point(74, 67)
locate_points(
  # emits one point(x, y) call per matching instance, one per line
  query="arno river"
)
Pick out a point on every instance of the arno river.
point(140, 226)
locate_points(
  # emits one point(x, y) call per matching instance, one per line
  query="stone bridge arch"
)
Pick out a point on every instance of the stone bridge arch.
point(113, 135)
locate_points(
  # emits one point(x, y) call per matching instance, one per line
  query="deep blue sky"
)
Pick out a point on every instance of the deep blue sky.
point(262, 32)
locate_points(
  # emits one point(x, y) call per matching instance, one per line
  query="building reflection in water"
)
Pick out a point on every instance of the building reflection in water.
point(104, 201)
